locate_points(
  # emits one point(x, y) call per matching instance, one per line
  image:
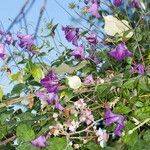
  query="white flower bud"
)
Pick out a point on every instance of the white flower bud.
point(74, 82)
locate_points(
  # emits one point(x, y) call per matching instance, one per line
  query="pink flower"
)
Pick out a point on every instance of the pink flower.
point(94, 10)
point(92, 39)
point(40, 141)
point(78, 53)
point(138, 69)
point(2, 50)
point(86, 116)
point(89, 79)
point(26, 41)
point(80, 104)
point(71, 34)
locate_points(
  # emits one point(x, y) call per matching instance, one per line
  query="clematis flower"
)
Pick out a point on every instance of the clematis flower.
point(40, 141)
point(117, 3)
point(49, 99)
point(50, 82)
point(2, 50)
point(114, 26)
point(135, 4)
point(74, 82)
point(71, 34)
point(138, 69)
point(92, 39)
point(94, 9)
point(78, 53)
point(89, 79)
point(114, 118)
point(120, 52)
point(86, 116)
point(26, 41)
point(80, 104)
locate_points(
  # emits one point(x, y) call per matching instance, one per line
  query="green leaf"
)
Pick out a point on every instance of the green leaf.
point(25, 132)
point(57, 143)
point(3, 131)
point(17, 89)
point(26, 146)
point(102, 90)
point(37, 72)
point(130, 83)
point(93, 146)
point(130, 139)
point(122, 109)
point(142, 113)
point(140, 145)
point(146, 136)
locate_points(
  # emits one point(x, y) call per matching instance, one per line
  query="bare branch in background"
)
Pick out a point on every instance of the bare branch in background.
point(40, 17)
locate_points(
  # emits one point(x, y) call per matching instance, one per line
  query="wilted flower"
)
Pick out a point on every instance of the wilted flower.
point(50, 82)
point(120, 52)
point(74, 82)
point(86, 116)
point(72, 125)
point(78, 53)
point(138, 69)
point(49, 98)
point(40, 141)
point(135, 4)
point(80, 104)
point(114, 26)
point(2, 50)
point(92, 39)
point(71, 34)
point(117, 3)
point(89, 79)
point(103, 137)
point(114, 118)
point(94, 9)
point(26, 41)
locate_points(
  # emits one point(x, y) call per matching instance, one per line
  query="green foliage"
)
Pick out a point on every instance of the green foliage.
point(25, 132)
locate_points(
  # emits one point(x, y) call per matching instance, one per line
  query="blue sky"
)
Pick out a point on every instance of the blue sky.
point(10, 8)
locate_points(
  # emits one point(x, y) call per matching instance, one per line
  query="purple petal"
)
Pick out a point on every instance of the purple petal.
point(40, 141)
point(117, 3)
point(120, 52)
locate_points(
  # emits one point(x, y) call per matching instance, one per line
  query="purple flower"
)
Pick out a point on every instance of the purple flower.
point(2, 33)
point(8, 38)
point(89, 79)
point(114, 118)
point(26, 41)
point(2, 50)
point(71, 34)
point(92, 39)
point(78, 53)
point(94, 10)
point(135, 4)
point(95, 59)
point(117, 3)
point(40, 141)
point(50, 82)
point(138, 69)
point(120, 52)
point(49, 99)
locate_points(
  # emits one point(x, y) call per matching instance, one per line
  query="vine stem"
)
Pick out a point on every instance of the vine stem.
point(141, 124)
point(8, 140)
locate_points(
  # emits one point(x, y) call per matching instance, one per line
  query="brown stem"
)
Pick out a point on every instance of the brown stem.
point(8, 140)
